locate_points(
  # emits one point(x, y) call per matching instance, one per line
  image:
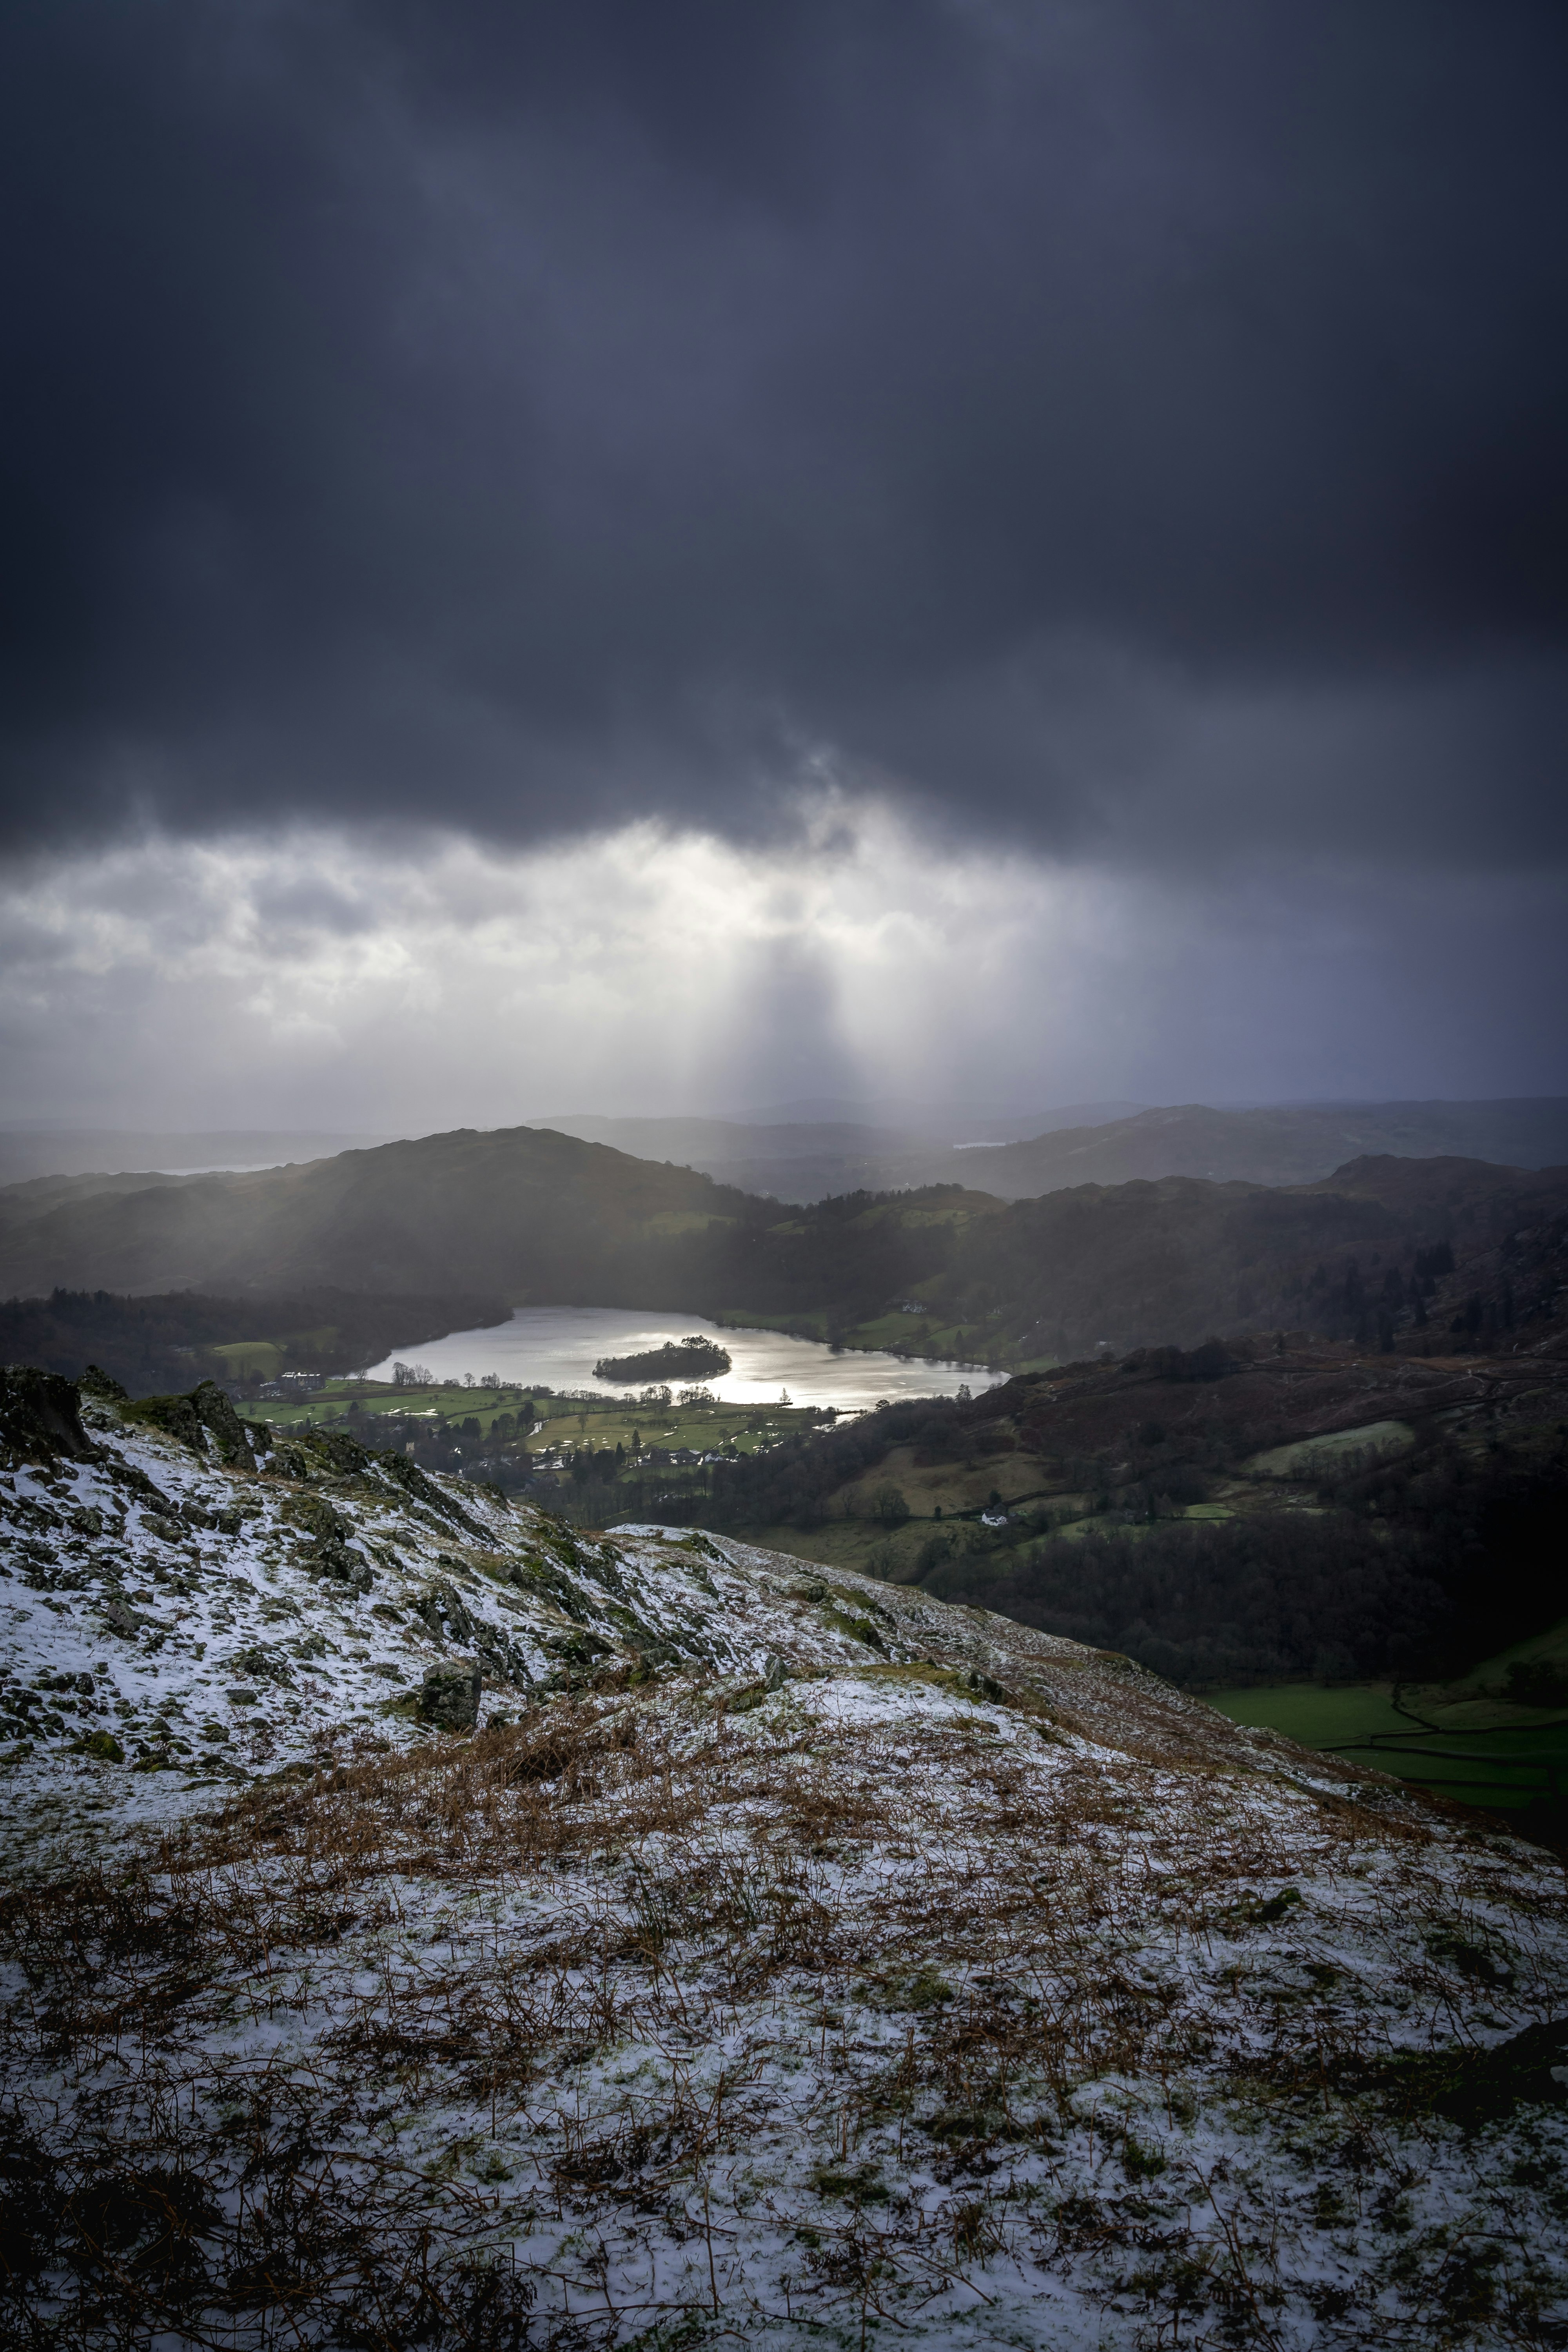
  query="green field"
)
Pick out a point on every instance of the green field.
point(1478, 1749)
point(357, 1405)
point(1311, 1458)
point(251, 1360)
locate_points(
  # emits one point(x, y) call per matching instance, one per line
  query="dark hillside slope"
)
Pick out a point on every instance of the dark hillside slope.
point(153, 1342)
point(1235, 1512)
point(519, 1211)
point(522, 1212)
point(1126, 1265)
point(1379, 1251)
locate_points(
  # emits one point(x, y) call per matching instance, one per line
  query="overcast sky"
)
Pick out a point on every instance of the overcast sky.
point(676, 555)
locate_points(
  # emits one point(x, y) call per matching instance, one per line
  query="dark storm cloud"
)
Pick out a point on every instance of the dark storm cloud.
point(523, 417)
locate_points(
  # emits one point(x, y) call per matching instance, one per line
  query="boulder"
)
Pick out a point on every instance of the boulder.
point(451, 1698)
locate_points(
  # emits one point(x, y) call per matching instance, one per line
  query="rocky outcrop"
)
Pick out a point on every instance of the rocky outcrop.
point(206, 1412)
point(41, 1416)
point(450, 1697)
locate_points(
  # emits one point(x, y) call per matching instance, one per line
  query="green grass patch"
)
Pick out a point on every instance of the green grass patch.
point(684, 1221)
point(251, 1359)
point(1313, 1457)
point(1318, 1717)
point(891, 1331)
point(1548, 1649)
point(1503, 1765)
point(567, 1422)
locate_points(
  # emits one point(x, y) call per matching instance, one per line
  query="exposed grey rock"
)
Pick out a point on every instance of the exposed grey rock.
point(450, 1697)
point(257, 1659)
point(441, 1610)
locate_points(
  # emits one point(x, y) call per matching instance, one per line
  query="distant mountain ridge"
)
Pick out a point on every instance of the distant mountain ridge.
point(801, 1153)
point(787, 1155)
point(1275, 1144)
point(27, 1152)
point(1292, 1143)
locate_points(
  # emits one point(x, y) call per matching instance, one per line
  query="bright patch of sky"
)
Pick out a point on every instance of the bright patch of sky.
point(415, 984)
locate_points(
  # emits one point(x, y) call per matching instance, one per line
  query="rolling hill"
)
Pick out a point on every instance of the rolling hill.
point(528, 1215)
point(541, 1214)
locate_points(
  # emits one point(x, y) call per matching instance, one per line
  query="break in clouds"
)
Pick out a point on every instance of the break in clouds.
point(1066, 499)
point(316, 980)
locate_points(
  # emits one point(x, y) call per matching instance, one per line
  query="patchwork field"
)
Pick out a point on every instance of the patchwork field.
point(1465, 1739)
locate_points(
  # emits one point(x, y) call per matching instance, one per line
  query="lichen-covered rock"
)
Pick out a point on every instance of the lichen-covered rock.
point(440, 1610)
point(219, 1418)
point(102, 1746)
point(176, 1415)
point(258, 1659)
point(421, 1489)
point(332, 1555)
point(450, 1697)
point(206, 1409)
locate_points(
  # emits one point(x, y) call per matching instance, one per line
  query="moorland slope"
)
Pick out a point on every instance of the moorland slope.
point(499, 1933)
point(1126, 1265)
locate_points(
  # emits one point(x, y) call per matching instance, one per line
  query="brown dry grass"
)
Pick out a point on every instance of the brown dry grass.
point(217, 2047)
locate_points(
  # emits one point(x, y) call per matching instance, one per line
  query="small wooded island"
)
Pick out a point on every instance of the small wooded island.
point(692, 1359)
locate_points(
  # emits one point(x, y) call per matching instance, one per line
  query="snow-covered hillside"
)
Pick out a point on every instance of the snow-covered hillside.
point(777, 1955)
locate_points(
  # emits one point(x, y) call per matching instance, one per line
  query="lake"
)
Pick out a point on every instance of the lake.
point(557, 1347)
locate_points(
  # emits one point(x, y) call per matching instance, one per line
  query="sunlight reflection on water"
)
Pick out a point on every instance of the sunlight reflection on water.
point(557, 1347)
